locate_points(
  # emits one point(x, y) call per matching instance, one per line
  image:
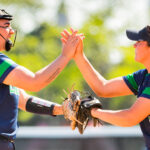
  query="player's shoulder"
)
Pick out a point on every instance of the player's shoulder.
point(141, 72)
point(4, 58)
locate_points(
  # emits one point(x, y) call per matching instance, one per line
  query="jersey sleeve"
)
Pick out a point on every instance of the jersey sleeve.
point(146, 91)
point(6, 66)
point(134, 80)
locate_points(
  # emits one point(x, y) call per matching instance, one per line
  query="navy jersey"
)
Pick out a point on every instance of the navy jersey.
point(9, 97)
point(139, 84)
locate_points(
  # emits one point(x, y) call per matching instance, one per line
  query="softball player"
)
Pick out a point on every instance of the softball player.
point(14, 79)
point(137, 83)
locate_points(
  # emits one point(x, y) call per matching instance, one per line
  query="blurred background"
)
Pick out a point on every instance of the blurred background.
point(103, 23)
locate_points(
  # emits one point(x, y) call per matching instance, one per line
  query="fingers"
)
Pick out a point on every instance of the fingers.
point(81, 35)
point(63, 40)
point(73, 31)
point(73, 38)
point(74, 41)
point(65, 34)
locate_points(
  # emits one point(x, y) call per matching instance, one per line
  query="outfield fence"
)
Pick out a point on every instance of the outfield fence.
point(66, 132)
point(63, 138)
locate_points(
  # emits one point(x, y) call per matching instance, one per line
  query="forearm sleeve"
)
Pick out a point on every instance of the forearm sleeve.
point(37, 106)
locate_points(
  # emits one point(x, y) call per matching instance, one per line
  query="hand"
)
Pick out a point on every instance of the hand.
point(79, 50)
point(65, 36)
point(70, 43)
point(94, 112)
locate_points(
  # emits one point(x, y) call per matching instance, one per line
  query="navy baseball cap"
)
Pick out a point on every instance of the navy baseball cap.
point(5, 15)
point(142, 35)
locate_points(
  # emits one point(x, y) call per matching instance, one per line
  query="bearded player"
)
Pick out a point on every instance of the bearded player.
point(15, 79)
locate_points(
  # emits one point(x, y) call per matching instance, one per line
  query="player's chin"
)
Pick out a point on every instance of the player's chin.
point(138, 59)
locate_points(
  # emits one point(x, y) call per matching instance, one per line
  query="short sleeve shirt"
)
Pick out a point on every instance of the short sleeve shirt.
point(9, 98)
point(139, 84)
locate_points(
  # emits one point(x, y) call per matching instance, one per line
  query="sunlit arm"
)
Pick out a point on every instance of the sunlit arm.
point(101, 86)
point(27, 80)
point(24, 97)
point(125, 118)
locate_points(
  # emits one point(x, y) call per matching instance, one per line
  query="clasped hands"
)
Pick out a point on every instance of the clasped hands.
point(72, 44)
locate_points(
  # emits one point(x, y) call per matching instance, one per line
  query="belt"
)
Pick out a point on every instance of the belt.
point(6, 139)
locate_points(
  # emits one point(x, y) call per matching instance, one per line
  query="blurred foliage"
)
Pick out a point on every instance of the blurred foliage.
point(21, 3)
point(42, 46)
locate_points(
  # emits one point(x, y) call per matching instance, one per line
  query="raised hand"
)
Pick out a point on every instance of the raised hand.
point(70, 43)
point(79, 49)
point(65, 37)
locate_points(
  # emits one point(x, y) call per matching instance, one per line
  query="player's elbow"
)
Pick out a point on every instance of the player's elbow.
point(37, 84)
point(102, 90)
point(35, 87)
point(103, 93)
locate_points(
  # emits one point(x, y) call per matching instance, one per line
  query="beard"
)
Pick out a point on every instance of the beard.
point(8, 43)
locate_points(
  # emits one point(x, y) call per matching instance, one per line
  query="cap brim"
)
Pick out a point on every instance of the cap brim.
point(132, 35)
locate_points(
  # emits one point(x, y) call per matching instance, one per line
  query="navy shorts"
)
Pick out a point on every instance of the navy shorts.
point(6, 145)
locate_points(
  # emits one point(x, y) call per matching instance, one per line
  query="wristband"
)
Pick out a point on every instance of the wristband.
point(34, 105)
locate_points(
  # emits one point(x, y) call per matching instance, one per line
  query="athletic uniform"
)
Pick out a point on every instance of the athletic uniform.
point(9, 98)
point(139, 84)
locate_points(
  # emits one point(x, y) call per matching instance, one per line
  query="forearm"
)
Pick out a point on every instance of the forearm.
point(46, 75)
point(93, 78)
point(25, 79)
point(43, 107)
point(119, 117)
